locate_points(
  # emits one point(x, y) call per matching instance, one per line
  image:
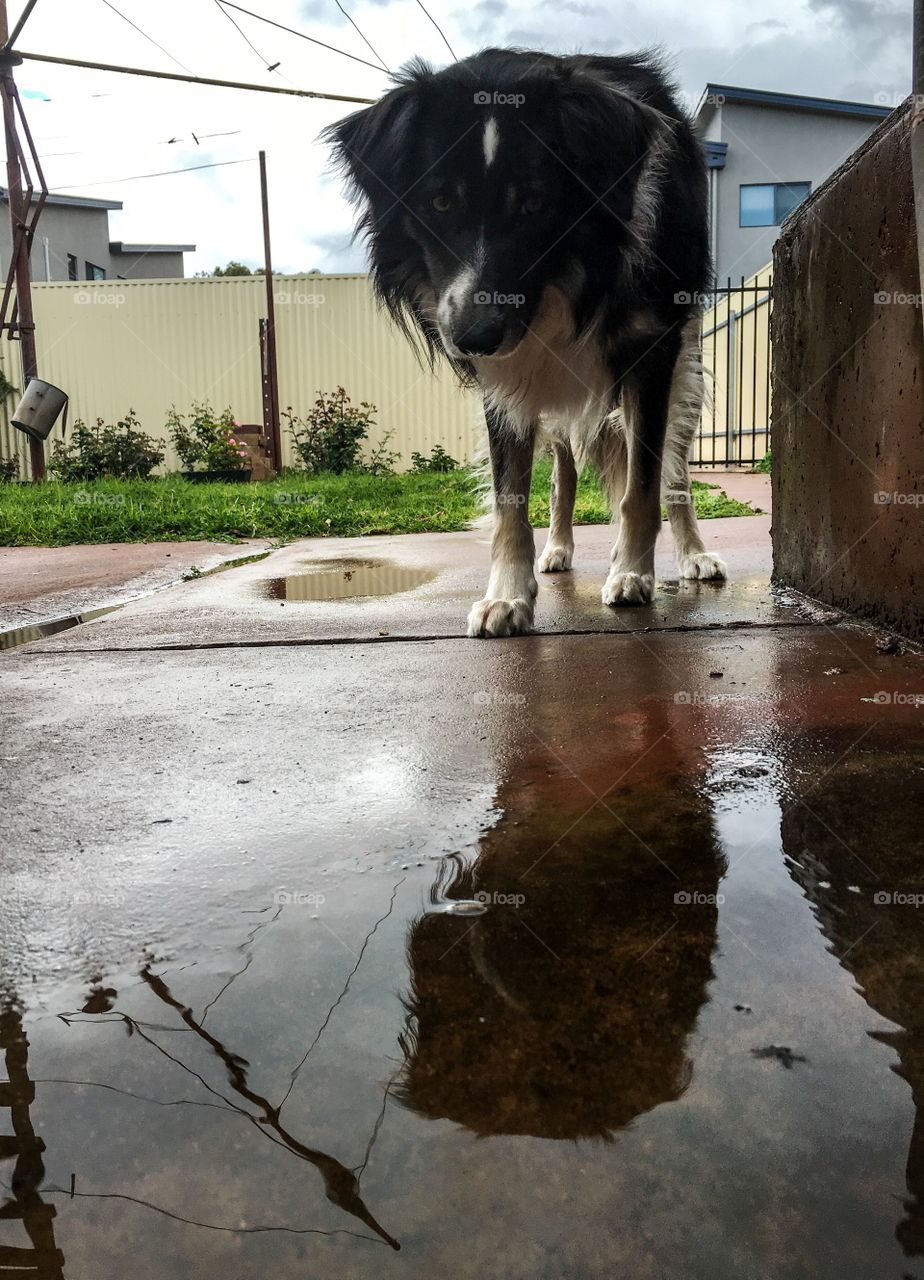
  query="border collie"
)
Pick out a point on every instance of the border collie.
point(541, 221)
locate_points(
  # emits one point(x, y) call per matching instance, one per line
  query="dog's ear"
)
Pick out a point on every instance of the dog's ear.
point(593, 109)
point(372, 146)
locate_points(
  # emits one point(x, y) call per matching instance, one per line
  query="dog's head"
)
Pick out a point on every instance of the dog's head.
point(486, 182)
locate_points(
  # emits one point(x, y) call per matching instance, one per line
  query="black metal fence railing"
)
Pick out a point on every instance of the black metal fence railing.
point(735, 427)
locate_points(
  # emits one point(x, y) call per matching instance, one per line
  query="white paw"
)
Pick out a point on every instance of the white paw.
point(702, 564)
point(500, 618)
point(555, 559)
point(628, 588)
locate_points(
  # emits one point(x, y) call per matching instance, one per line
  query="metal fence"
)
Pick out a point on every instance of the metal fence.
point(150, 344)
point(735, 427)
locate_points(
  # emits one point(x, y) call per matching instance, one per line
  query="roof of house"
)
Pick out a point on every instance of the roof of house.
point(75, 202)
point(715, 95)
point(120, 246)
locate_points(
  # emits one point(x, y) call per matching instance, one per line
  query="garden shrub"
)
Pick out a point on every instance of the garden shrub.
point(122, 451)
point(330, 437)
point(206, 440)
point(439, 460)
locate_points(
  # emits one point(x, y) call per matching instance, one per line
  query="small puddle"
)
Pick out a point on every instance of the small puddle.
point(347, 580)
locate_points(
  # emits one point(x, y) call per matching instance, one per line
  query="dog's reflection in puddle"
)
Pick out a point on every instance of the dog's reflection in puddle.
point(562, 1008)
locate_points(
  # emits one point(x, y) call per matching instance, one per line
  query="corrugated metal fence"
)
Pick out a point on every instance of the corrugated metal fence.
point(150, 344)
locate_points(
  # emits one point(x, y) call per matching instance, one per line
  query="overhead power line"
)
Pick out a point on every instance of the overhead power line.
point(205, 80)
point(301, 34)
point(150, 39)
point(244, 36)
point(166, 173)
point(438, 27)
point(375, 53)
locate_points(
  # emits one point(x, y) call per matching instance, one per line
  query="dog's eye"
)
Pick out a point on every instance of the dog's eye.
point(531, 205)
point(442, 204)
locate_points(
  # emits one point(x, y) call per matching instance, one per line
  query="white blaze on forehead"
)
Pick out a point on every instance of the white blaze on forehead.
point(490, 140)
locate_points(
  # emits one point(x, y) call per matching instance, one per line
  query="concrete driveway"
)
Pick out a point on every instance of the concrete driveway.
point(593, 953)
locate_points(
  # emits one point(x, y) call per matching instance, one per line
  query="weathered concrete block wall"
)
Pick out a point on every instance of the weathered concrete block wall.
point(848, 398)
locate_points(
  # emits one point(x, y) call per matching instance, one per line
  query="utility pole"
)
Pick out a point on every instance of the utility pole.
point(270, 370)
point(21, 229)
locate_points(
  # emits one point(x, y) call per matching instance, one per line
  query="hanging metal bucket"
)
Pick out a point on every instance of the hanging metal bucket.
point(38, 410)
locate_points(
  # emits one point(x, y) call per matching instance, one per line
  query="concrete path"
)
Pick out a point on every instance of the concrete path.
point(593, 953)
point(40, 583)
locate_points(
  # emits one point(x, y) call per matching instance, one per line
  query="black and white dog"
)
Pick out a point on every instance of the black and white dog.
point(541, 221)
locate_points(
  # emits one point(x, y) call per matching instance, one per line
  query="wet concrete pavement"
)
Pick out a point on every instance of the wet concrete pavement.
point(594, 953)
point(423, 586)
point(41, 583)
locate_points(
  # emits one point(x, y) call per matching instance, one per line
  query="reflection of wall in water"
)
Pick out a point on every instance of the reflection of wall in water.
point(859, 835)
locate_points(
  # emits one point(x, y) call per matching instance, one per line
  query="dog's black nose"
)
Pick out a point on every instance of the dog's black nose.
point(481, 338)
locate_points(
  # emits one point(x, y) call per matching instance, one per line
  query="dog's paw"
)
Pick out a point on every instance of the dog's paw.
point(702, 564)
point(555, 559)
point(500, 618)
point(628, 588)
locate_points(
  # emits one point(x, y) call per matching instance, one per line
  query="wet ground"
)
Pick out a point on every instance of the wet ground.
point(596, 953)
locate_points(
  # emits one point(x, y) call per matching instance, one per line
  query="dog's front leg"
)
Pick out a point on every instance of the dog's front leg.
point(646, 393)
point(509, 602)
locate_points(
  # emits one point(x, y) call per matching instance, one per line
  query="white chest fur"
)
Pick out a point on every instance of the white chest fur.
point(550, 378)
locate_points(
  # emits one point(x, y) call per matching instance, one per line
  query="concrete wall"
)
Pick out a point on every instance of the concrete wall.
point(848, 401)
point(771, 144)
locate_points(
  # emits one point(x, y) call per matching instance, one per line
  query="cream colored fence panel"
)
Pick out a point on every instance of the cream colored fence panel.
point(149, 344)
point(735, 427)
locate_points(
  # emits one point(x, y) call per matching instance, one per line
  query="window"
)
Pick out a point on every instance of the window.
point(766, 204)
point(94, 272)
point(72, 266)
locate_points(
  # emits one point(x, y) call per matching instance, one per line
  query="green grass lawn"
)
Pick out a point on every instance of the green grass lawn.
point(173, 509)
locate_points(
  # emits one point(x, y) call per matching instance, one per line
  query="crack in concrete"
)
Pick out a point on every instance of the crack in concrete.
point(336, 641)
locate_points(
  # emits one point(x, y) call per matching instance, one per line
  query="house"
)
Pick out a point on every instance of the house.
point(766, 152)
point(72, 243)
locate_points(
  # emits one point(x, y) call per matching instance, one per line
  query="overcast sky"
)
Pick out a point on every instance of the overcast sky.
point(97, 129)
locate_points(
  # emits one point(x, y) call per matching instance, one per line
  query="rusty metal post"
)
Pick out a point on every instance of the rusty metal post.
point(19, 221)
point(271, 398)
